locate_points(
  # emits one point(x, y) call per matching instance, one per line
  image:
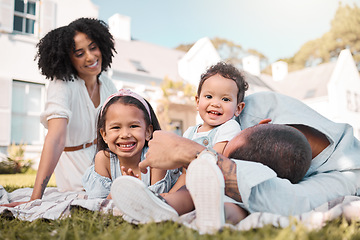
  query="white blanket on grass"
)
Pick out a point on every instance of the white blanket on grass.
point(57, 205)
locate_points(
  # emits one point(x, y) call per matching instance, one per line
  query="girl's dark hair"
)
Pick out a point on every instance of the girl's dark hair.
point(227, 71)
point(55, 47)
point(126, 100)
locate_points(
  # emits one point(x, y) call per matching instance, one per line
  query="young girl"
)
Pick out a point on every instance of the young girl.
point(125, 125)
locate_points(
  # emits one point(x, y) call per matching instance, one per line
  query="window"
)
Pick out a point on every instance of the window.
point(25, 12)
point(27, 104)
point(353, 101)
point(310, 93)
point(139, 67)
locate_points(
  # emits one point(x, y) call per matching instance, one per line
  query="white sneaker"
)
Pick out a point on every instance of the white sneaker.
point(136, 201)
point(205, 182)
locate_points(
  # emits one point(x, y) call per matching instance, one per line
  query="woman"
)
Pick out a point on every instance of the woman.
point(73, 58)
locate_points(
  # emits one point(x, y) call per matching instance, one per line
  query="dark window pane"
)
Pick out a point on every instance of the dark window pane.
point(30, 26)
point(18, 23)
point(19, 5)
point(31, 8)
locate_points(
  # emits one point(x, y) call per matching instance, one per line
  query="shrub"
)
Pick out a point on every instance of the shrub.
point(15, 162)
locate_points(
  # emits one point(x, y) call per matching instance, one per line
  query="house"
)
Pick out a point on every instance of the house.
point(138, 65)
point(195, 61)
point(22, 92)
point(332, 89)
point(143, 66)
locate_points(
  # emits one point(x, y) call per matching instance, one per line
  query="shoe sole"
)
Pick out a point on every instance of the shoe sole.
point(205, 182)
point(135, 200)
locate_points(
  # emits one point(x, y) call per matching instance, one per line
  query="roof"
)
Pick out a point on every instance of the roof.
point(256, 81)
point(306, 83)
point(145, 60)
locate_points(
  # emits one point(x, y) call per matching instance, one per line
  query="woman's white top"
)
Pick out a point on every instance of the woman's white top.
point(71, 100)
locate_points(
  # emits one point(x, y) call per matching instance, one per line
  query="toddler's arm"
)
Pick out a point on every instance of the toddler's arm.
point(219, 147)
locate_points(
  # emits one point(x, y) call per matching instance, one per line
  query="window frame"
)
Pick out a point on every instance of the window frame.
point(353, 101)
point(27, 16)
point(27, 113)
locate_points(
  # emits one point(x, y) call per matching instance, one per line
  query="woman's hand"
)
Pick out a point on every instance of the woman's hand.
point(13, 204)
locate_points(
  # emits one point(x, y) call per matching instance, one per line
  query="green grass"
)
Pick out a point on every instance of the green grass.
point(14, 181)
point(84, 224)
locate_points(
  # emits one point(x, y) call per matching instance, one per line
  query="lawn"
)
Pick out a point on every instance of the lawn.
point(84, 224)
point(14, 181)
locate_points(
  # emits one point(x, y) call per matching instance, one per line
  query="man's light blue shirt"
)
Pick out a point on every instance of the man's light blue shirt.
point(335, 172)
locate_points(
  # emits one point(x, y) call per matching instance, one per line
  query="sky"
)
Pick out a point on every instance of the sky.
point(276, 28)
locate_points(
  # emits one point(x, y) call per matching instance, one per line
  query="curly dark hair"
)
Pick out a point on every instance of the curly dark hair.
point(55, 47)
point(226, 70)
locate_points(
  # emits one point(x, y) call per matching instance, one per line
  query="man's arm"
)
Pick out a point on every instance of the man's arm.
point(280, 196)
point(169, 151)
point(228, 168)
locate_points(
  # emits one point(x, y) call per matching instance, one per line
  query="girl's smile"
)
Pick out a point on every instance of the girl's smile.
point(126, 146)
point(125, 131)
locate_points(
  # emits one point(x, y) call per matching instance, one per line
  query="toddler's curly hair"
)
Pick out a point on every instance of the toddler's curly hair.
point(229, 71)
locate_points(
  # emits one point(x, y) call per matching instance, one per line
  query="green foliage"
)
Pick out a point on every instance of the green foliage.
point(184, 47)
point(15, 162)
point(172, 88)
point(230, 51)
point(84, 224)
point(20, 180)
point(344, 34)
point(173, 92)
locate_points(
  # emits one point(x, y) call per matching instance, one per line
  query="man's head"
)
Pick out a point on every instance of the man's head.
point(282, 148)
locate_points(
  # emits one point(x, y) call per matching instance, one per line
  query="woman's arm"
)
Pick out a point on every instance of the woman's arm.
point(53, 147)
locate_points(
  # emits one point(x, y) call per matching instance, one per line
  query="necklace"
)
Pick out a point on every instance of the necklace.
point(93, 91)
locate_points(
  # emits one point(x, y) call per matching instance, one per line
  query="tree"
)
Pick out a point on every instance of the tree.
point(344, 34)
point(184, 47)
point(230, 51)
point(173, 91)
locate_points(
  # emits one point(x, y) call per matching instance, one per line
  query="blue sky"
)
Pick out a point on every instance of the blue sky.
point(276, 28)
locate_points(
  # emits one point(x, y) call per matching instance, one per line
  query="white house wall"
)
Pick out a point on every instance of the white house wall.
point(69, 10)
point(345, 79)
point(17, 63)
point(202, 55)
point(5, 111)
point(18, 51)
